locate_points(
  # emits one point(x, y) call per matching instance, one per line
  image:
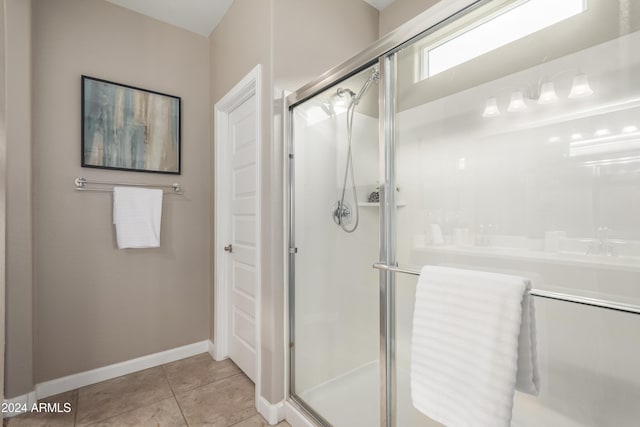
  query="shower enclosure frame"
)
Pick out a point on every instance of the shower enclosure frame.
point(382, 53)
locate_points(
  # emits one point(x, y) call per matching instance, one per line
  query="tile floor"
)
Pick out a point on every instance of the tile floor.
point(197, 391)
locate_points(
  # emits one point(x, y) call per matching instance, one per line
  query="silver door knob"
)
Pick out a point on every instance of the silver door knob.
point(228, 248)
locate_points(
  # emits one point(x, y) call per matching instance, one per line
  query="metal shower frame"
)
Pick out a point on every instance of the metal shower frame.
point(382, 53)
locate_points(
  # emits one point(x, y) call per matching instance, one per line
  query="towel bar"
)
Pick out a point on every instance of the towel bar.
point(576, 299)
point(81, 185)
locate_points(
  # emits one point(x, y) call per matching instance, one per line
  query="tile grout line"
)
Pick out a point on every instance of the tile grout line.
point(239, 371)
point(204, 385)
point(250, 416)
point(126, 412)
point(174, 396)
point(75, 415)
point(160, 399)
point(212, 382)
point(244, 419)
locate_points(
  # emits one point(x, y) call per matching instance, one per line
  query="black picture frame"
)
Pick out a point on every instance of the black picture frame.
point(128, 128)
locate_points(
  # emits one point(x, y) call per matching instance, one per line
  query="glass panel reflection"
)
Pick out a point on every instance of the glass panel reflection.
point(526, 161)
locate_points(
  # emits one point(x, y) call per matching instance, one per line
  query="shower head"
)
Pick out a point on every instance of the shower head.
point(355, 97)
point(346, 91)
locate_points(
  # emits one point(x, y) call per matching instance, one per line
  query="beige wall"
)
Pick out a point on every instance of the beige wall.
point(3, 151)
point(401, 11)
point(19, 375)
point(96, 305)
point(295, 41)
point(310, 37)
point(240, 41)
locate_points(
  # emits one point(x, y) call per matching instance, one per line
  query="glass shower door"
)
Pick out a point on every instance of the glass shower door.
point(518, 151)
point(334, 337)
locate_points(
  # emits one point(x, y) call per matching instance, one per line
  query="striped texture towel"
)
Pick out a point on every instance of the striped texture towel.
point(473, 340)
point(137, 214)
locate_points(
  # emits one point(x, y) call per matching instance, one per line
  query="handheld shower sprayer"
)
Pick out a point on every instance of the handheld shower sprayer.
point(342, 212)
point(374, 77)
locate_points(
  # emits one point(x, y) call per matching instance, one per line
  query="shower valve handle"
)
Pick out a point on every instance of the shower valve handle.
point(228, 248)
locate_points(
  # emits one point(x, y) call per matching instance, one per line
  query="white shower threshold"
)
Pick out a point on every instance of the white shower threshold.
point(353, 399)
point(349, 400)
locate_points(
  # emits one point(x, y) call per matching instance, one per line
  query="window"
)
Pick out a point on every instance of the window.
point(520, 20)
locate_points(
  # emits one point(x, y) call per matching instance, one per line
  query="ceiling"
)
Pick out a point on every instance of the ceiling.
point(198, 16)
point(379, 4)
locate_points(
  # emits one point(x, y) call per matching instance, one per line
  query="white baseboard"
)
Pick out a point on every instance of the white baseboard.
point(295, 418)
point(82, 379)
point(272, 412)
point(212, 348)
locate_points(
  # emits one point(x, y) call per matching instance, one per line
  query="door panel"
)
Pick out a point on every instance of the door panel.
point(335, 342)
point(245, 230)
point(244, 181)
point(242, 259)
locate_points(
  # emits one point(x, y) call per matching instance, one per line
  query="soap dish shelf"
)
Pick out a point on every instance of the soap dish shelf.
point(376, 204)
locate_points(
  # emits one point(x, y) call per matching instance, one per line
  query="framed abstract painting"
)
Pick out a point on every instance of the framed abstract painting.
point(128, 128)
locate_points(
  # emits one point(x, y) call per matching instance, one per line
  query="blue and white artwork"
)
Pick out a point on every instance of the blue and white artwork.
point(129, 128)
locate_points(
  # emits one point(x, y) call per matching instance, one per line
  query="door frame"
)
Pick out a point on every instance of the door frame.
point(250, 85)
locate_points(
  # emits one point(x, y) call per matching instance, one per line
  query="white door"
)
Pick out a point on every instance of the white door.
point(240, 250)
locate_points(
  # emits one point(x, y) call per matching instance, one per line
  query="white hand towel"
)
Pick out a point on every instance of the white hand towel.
point(137, 214)
point(471, 332)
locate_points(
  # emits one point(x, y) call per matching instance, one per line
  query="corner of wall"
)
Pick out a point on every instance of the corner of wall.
point(19, 375)
point(212, 190)
point(400, 12)
point(3, 147)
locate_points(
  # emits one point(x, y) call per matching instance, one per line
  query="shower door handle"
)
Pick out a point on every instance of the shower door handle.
point(228, 248)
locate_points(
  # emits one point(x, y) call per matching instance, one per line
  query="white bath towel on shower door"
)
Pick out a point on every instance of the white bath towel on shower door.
point(473, 344)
